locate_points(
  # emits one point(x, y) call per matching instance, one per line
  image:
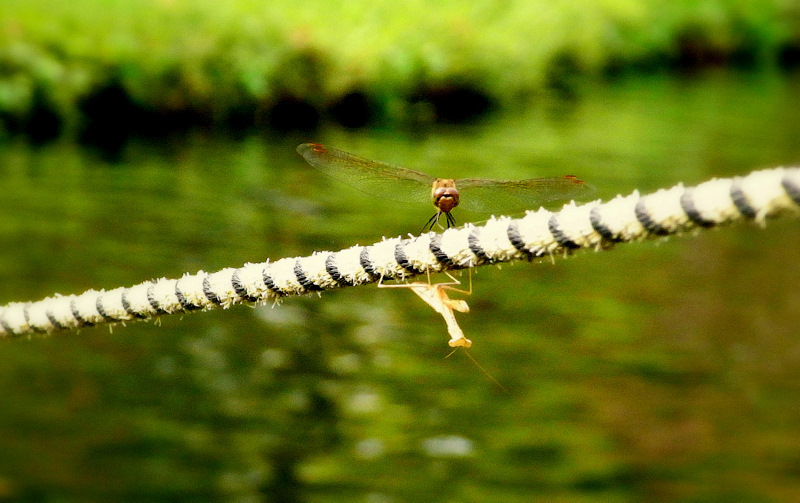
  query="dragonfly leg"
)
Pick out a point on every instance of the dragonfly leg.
point(451, 220)
point(433, 221)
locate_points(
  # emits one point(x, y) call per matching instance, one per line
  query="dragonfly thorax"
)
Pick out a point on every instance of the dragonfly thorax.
point(444, 194)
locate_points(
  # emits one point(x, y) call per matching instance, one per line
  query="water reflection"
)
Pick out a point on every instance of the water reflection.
point(656, 371)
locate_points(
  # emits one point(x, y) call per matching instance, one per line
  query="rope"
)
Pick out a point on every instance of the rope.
point(596, 225)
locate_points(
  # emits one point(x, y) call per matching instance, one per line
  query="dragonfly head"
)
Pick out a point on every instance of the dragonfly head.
point(444, 194)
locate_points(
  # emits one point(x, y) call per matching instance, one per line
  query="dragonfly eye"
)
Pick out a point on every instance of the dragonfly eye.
point(445, 198)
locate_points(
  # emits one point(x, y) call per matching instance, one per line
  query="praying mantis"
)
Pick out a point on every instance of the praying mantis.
point(435, 295)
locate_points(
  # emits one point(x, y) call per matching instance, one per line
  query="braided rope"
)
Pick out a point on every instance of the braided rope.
point(756, 197)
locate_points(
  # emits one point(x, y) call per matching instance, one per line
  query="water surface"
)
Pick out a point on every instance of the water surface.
point(657, 371)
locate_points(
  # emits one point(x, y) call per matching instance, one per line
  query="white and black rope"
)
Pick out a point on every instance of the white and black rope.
point(596, 225)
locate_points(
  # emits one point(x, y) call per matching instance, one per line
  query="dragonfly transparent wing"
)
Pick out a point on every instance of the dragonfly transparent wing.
point(483, 195)
point(372, 177)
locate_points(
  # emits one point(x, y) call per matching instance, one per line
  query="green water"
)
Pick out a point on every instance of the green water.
point(661, 371)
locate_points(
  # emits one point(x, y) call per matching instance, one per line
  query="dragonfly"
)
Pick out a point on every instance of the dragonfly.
point(407, 185)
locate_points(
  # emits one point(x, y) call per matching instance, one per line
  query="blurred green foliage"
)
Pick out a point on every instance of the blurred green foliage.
point(218, 61)
point(653, 373)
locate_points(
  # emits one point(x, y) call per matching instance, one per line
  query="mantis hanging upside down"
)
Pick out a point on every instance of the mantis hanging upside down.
point(435, 295)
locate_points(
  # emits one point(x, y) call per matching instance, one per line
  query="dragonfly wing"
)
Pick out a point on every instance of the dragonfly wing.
point(372, 177)
point(483, 195)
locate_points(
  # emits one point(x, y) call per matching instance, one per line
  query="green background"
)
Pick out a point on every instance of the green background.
point(658, 371)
